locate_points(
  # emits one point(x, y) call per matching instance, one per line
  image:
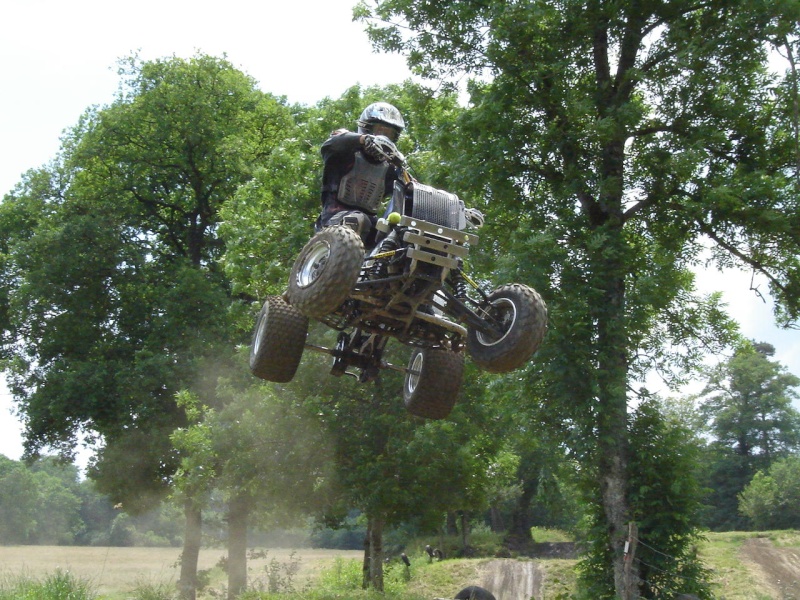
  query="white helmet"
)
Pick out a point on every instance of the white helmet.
point(383, 113)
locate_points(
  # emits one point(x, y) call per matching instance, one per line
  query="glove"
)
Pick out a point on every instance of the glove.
point(379, 147)
point(371, 148)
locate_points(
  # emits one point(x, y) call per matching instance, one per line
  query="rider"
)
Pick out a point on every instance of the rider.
point(355, 178)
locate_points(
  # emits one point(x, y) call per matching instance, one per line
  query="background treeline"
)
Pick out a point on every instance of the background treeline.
point(47, 503)
point(743, 430)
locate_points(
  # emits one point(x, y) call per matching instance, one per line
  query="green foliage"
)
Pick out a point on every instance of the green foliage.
point(18, 502)
point(39, 504)
point(747, 403)
point(147, 590)
point(611, 143)
point(772, 499)
point(60, 585)
point(665, 499)
point(114, 292)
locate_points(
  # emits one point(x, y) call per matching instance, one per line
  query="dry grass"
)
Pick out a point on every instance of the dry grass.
point(117, 571)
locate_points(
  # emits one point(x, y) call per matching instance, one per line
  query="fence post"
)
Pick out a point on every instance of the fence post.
point(631, 579)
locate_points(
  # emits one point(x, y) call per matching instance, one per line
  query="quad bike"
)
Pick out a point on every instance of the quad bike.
point(411, 288)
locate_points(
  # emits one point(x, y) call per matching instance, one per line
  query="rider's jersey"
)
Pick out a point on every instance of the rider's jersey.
point(363, 186)
point(350, 180)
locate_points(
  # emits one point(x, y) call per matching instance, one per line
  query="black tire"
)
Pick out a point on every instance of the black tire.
point(474, 592)
point(325, 271)
point(432, 388)
point(278, 341)
point(523, 315)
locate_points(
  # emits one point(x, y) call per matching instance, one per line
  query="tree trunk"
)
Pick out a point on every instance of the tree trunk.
point(496, 520)
point(452, 524)
point(519, 533)
point(238, 512)
point(187, 584)
point(376, 554)
point(365, 570)
point(464, 532)
point(612, 410)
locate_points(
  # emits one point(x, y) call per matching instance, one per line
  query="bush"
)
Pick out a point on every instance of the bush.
point(61, 585)
point(772, 499)
point(157, 590)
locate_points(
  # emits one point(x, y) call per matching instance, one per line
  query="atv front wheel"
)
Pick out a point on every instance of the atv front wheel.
point(431, 386)
point(325, 271)
point(520, 316)
point(278, 341)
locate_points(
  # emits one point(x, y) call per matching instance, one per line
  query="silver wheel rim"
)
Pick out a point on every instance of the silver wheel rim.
point(507, 319)
point(260, 330)
point(314, 264)
point(415, 370)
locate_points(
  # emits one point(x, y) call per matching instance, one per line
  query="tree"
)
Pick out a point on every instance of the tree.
point(388, 466)
point(40, 503)
point(619, 141)
point(58, 518)
point(265, 455)
point(113, 295)
point(747, 402)
point(18, 502)
point(772, 499)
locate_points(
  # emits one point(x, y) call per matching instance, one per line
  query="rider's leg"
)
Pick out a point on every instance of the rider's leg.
point(356, 220)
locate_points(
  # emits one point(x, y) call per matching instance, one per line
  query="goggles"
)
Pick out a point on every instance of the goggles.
point(386, 130)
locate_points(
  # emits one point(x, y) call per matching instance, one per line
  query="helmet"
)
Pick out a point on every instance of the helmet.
point(380, 112)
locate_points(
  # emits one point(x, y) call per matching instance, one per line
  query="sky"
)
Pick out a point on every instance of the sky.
point(59, 57)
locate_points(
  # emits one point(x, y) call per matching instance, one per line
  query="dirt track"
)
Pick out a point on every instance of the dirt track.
point(779, 568)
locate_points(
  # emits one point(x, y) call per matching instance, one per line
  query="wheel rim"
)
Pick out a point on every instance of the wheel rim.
point(504, 312)
point(314, 264)
point(260, 330)
point(415, 372)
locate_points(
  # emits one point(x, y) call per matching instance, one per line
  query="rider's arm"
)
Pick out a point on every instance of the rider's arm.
point(342, 145)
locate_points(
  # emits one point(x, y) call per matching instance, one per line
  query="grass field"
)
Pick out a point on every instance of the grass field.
point(114, 572)
point(743, 567)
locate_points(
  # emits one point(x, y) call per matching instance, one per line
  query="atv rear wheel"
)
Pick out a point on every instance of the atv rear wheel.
point(521, 315)
point(325, 271)
point(431, 386)
point(278, 341)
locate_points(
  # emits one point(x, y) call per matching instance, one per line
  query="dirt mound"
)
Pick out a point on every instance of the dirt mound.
point(779, 567)
point(510, 579)
point(554, 550)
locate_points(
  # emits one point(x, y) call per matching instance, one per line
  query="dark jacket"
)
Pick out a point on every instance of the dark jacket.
point(338, 156)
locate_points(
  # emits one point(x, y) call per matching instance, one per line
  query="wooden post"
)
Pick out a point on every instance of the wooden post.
point(630, 573)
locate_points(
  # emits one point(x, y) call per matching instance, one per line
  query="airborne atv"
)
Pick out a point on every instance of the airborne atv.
point(416, 292)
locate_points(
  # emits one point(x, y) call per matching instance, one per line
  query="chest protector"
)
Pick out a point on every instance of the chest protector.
point(364, 185)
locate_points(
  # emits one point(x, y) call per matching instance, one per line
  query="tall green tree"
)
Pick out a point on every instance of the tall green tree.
point(747, 402)
point(113, 296)
point(388, 465)
point(39, 503)
point(618, 141)
point(266, 456)
point(18, 502)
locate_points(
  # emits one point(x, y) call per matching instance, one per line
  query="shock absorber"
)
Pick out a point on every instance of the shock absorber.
point(379, 267)
point(460, 285)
